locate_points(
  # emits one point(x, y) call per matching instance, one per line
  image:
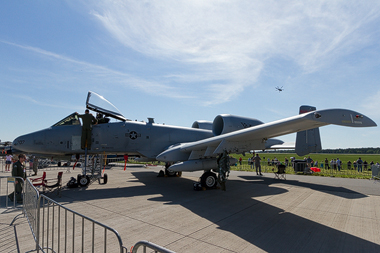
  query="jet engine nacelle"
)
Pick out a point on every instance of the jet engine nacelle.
point(226, 123)
point(202, 124)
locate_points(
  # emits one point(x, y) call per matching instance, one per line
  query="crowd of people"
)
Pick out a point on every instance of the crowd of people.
point(335, 163)
point(32, 161)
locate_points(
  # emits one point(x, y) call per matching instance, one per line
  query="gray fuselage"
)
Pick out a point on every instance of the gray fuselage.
point(130, 137)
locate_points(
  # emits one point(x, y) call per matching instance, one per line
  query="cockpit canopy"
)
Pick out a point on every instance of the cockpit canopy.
point(95, 103)
point(99, 104)
point(72, 119)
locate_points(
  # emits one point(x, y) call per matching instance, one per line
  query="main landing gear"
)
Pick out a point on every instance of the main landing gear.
point(209, 180)
point(171, 173)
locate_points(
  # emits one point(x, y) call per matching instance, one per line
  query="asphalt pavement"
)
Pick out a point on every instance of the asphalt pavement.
point(255, 213)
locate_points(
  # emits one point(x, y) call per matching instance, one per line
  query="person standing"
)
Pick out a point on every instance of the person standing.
point(252, 162)
point(8, 162)
point(88, 120)
point(309, 161)
point(18, 171)
point(359, 162)
point(35, 166)
point(349, 165)
point(30, 163)
point(327, 164)
point(257, 161)
point(338, 164)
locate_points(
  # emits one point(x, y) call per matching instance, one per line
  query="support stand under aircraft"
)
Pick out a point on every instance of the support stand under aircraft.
point(187, 149)
point(92, 171)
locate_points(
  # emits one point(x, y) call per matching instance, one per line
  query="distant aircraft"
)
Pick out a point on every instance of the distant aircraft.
point(279, 89)
point(187, 149)
point(5, 148)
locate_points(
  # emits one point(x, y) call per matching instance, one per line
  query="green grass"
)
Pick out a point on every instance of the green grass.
point(344, 173)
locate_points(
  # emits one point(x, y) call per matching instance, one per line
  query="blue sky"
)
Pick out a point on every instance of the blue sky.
point(181, 61)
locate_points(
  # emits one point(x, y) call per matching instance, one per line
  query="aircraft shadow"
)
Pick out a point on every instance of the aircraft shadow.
point(334, 190)
point(235, 211)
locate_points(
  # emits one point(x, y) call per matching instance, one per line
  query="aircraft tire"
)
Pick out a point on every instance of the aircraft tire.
point(170, 173)
point(84, 181)
point(105, 178)
point(59, 164)
point(208, 180)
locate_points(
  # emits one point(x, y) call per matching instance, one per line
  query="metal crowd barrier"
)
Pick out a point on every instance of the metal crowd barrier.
point(5, 191)
point(150, 245)
point(56, 228)
point(60, 229)
point(114, 161)
point(31, 207)
point(375, 173)
point(2, 164)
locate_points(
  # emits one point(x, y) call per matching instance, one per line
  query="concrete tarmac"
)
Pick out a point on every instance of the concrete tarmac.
point(255, 214)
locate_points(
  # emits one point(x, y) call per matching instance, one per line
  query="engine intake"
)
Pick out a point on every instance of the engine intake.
point(226, 123)
point(202, 124)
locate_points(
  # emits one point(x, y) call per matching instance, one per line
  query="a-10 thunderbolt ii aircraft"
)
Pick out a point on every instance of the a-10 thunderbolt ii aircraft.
point(188, 149)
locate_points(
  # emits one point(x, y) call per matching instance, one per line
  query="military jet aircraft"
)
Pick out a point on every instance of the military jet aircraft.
point(187, 149)
point(5, 148)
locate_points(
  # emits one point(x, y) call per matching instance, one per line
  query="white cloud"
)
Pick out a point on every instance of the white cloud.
point(97, 71)
point(230, 40)
point(371, 106)
point(38, 102)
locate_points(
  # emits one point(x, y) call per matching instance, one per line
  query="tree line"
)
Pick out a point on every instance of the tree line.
point(335, 151)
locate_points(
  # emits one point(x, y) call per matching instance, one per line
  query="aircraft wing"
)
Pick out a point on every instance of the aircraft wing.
point(256, 137)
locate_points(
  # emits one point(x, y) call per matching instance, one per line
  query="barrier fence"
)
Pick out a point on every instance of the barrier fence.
point(149, 245)
point(56, 228)
point(8, 185)
point(31, 207)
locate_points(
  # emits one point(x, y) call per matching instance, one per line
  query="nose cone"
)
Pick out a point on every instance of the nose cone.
point(26, 143)
point(21, 143)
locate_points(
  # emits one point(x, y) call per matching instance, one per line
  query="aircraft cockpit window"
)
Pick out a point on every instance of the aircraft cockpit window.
point(72, 119)
point(99, 104)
